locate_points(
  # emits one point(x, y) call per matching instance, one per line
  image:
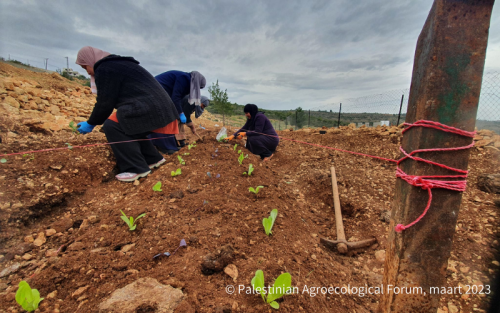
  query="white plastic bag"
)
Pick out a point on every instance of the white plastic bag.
point(222, 134)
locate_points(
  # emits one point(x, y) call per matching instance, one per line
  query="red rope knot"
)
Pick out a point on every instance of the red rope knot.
point(427, 184)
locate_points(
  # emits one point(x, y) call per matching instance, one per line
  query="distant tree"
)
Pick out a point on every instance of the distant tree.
point(300, 117)
point(219, 101)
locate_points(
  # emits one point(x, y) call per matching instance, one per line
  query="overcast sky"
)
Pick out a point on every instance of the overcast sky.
point(276, 54)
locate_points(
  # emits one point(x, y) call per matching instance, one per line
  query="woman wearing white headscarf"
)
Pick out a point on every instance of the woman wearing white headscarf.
point(141, 104)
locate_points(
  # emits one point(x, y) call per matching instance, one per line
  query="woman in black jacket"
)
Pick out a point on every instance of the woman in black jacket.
point(142, 106)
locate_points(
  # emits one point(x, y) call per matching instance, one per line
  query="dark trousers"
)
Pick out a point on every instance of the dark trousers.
point(132, 157)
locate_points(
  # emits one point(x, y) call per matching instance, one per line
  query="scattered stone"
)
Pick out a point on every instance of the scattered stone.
point(50, 232)
point(94, 219)
point(143, 295)
point(464, 269)
point(51, 253)
point(79, 291)
point(85, 224)
point(127, 248)
point(52, 295)
point(489, 183)
point(3, 286)
point(9, 270)
point(40, 240)
point(29, 239)
point(232, 271)
point(385, 216)
point(137, 183)
point(495, 263)
point(452, 308)
point(27, 257)
point(62, 225)
point(380, 256)
point(76, 246)
point(177, 194)
point(216, 262)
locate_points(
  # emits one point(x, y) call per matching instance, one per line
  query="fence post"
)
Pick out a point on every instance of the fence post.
point(448, 68)
point(340, 109)
point(400, 106)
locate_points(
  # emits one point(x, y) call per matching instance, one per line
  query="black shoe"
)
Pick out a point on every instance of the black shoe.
point(170, 152)
point(182, 143)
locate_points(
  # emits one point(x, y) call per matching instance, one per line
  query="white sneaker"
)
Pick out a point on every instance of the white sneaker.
point(128, 177)
point(157, 164)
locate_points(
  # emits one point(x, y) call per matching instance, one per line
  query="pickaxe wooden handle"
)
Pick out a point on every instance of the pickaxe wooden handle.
point(339, 225)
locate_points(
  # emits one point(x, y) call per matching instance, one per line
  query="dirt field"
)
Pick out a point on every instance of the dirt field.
point(91, 252)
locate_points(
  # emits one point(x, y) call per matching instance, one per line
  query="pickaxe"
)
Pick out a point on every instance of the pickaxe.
point(341, 243)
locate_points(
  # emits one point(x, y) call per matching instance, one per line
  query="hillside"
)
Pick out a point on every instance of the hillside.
point(60, 225)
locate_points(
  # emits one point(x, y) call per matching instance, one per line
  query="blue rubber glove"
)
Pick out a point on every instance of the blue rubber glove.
point(85, 128)
point(183, 118)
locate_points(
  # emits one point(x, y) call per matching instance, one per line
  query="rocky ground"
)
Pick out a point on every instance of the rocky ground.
point(61, 231)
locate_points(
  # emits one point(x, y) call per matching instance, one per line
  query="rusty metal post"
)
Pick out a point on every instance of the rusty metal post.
point(446, 83)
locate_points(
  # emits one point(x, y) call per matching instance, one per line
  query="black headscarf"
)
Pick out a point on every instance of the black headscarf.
point(252, 109)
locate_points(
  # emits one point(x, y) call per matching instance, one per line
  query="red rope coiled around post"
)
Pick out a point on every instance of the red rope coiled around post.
point(425, 182)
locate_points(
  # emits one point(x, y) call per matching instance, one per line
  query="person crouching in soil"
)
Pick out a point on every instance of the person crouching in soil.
point(262, 139)
point(142, 106)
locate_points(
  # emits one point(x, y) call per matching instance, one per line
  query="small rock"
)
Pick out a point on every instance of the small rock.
point(29, 239)
point(495, 263)
point(452, 308)
point(94, 219)
point(131, 272)
point(127, 248)
point(137, 183)
point(79, 291)
point(143, 295)
point(177, 194)
point(85, 224)
point(314, 257)
point(232, 271)
point(216, 262)
point(76, 246)
point(40, 240)
point(380, 256)
point(51, 253)
point(50, 232)
point(464, 269)
point(11, 269)
point(62, 225)
point(27, 257)
point(3, 286)
point(52, 295)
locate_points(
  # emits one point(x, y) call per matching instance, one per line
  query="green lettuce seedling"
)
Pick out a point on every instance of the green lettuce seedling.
point(241, 158)
point(74, 129)
point(282, 285)
point(27, 298)
point(187, 153)
point(70, 147)
point(176, 173)
point(192, 145)
point(222, 138)
point(130, 220)
point(239, 151)
point(269, 222)
point(250, 170)
point(3, 160)
point(256, 190)
point(157, 186)
point(235, 145)
point(181, 160)
point(31, 156)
